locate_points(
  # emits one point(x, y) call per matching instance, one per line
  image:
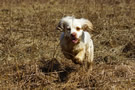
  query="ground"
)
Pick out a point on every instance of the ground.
point(31, 58)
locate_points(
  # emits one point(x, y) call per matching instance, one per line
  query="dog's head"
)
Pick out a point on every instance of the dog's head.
point(73, 28)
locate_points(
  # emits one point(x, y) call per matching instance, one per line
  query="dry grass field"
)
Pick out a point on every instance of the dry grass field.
point(31, 58)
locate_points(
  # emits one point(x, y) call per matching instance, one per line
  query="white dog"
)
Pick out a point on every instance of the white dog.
point(75, 41)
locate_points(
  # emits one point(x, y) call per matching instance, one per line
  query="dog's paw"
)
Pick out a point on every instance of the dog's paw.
point(77, 60)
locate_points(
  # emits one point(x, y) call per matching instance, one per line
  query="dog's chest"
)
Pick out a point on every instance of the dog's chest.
point(77, 48)
point(72, 48)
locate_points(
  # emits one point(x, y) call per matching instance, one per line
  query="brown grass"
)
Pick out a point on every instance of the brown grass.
point(30, 56)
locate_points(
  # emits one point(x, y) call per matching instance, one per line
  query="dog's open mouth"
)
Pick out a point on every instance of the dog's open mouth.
point(74, 40)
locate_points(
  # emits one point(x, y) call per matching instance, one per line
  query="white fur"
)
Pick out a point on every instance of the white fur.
point(79, 46)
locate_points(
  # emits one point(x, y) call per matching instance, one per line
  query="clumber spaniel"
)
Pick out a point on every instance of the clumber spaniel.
point(75, 41)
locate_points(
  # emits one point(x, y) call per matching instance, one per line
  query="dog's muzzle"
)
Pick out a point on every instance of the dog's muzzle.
point(73, 38)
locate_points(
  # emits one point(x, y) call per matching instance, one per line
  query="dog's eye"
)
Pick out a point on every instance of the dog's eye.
point(78, 29)
point(68, 29)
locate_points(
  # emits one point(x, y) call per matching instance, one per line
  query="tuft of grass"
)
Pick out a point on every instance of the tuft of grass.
point(30, 56)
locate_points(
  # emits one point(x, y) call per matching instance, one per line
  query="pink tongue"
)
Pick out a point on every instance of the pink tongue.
point(74, 41)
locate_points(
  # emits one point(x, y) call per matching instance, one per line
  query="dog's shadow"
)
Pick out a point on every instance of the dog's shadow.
point(53, 65)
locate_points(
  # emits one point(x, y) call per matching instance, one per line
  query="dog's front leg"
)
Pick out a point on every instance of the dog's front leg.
point(79, 57)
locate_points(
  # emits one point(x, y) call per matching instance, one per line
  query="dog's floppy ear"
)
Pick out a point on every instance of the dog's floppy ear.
point(61, 25)
point(87, 25)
